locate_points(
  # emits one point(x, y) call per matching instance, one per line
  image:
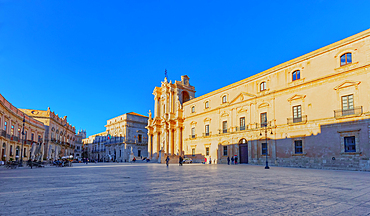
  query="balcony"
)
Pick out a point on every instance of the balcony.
point(242, 128)
point(297, 120)
point(222, 131)
point(3, 133)
point(207, 134)
point(357, 111)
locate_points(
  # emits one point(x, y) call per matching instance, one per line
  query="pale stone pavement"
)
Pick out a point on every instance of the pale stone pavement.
point(154, 189)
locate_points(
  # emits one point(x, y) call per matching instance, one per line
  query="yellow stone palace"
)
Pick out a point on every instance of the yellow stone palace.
point(312, 111)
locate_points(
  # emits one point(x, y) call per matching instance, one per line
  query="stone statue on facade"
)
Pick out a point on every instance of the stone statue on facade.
point(150, 115)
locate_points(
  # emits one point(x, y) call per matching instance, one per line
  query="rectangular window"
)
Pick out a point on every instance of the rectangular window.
point(140, 138)
point(224, 127)
point(297, 114)
point(242, 123)
point(193, 109)
point(193, 132)
point(11, 150)
point(349, 144)
point(12, 130)
point(207, 105)
point(5, 124)
point(225, 150)
point(25, 152)
point(207, 130)
point(264, 119)
point(193, 151)
point(207, 151)
point(32, 136)
point(25, 135)
point(347, 105)
point(298, 147)
point(19, 133)
point(264, 148)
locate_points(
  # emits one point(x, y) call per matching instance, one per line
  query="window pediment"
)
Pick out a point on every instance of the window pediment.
point(297, 97)
point(242, 109)
point(242, 96)
point(207, 120)
point(224, 114)
point(347, 84)
point(264, 104)
point(193, 123)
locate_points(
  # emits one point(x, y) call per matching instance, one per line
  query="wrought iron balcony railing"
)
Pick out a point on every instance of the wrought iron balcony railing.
point(301, 119)
point(3, 133)
point(222, 131)
point(348, 112)
point(242, 128)
point(193, 136)
point(207, 134)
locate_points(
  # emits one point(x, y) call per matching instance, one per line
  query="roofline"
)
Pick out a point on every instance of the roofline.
point(304, 57)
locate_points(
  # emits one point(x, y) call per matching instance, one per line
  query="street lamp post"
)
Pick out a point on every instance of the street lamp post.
point(266, 130)
point(21, 164)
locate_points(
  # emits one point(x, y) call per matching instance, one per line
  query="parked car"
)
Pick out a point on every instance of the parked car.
point(187, 160)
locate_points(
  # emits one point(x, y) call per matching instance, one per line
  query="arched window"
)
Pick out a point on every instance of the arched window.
point(346, 58)
point(242, 141)
point(224, 99)
point(185, 96)
point(296, 75)
point(263, 86)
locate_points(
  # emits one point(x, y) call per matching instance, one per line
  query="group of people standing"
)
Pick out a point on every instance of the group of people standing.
point(234, 160)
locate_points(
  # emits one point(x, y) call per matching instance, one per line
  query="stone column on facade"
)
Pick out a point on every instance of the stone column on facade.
point(171, 150)
point(178, 139)
point(155, 106)
point(155, 144)
point(170, 101)
point(255, 144)
point(150, 146)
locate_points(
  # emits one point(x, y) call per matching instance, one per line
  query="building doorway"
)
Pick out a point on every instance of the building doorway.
point(243, 150)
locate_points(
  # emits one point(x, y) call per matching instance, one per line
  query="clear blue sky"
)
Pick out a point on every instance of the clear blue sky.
point(94, 60)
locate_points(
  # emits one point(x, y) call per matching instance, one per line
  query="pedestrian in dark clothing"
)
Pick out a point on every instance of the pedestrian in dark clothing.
point(228, 160)
point(232, 160)
point(180, 161)
point(236, 160)
point(167, 160)
point(30, 163)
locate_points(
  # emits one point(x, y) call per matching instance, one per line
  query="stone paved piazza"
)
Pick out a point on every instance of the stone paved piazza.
point(154, 189)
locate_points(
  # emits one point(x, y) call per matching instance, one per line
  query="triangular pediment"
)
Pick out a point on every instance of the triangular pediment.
point(242, 96)
point(347, 84)
point(297, 97)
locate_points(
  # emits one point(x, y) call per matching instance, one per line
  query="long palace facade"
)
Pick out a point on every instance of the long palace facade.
point(312, 111)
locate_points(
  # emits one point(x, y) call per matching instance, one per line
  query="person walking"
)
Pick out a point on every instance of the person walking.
point(236, 159)
point(228, 160)
point(167, 160)
point(180, 161)
point(232, 160)
point(210, 160)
